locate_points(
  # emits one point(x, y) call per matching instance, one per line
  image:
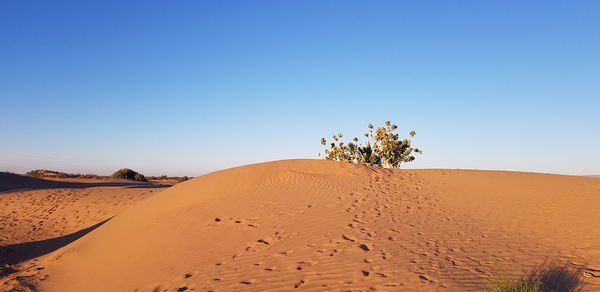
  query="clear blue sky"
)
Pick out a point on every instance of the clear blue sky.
point(187, 87)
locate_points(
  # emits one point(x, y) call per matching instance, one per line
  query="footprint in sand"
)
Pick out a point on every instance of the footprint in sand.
point(286, 253)
point(364, 247)
point(348, 237)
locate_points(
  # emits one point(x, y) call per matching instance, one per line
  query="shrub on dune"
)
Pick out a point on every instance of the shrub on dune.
point(383, 147)
point(127, 173)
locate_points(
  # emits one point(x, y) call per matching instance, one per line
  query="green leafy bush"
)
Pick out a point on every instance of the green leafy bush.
point(127, 173)
point(383, 147)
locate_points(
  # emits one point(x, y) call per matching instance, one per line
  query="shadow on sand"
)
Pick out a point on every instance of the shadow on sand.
point(558, 278)
point(13, 182)
point(548, 277)
point(20, 252)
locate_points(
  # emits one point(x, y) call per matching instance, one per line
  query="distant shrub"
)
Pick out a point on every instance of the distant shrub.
point(127, 173)
point(164, 177)
point(34, 173)
point(89, 176)
point(383, 148)
point(43, 173)
point(63, 175)
point(139, 177)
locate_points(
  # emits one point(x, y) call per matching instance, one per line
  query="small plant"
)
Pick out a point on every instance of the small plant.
point(544, 278)
point(127, 173)
point(525, 285)
point(383, 147)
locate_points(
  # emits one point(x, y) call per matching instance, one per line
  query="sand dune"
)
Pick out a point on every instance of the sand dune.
point(13, 182)
point(55, 213)
point(327, 226)
point(10, 182)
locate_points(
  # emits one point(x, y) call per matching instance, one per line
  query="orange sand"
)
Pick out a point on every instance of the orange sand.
point(38, 216)
point(327, 226)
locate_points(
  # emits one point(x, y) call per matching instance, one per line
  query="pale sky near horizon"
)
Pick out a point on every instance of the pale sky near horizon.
point(188, 87)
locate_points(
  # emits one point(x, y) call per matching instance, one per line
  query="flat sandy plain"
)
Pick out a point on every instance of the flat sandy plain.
point(309, 225)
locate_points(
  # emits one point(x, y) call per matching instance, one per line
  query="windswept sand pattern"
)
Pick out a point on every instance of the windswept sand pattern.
point(43, 214)
point(327, 226)
point(35, 222)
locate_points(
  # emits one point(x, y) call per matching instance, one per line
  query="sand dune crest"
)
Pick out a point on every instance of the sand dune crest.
point(322, 225)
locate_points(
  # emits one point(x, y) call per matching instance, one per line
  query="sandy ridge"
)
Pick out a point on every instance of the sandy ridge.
point(322, 225)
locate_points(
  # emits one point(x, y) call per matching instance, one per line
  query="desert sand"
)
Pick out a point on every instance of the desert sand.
point(40, 215)
point(313, 225)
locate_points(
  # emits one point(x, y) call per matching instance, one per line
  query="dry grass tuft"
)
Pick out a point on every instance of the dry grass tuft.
point(550, 278)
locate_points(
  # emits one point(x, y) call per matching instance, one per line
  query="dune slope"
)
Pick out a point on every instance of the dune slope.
point(322, 225)
point(12, 182)
point(37, 222)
